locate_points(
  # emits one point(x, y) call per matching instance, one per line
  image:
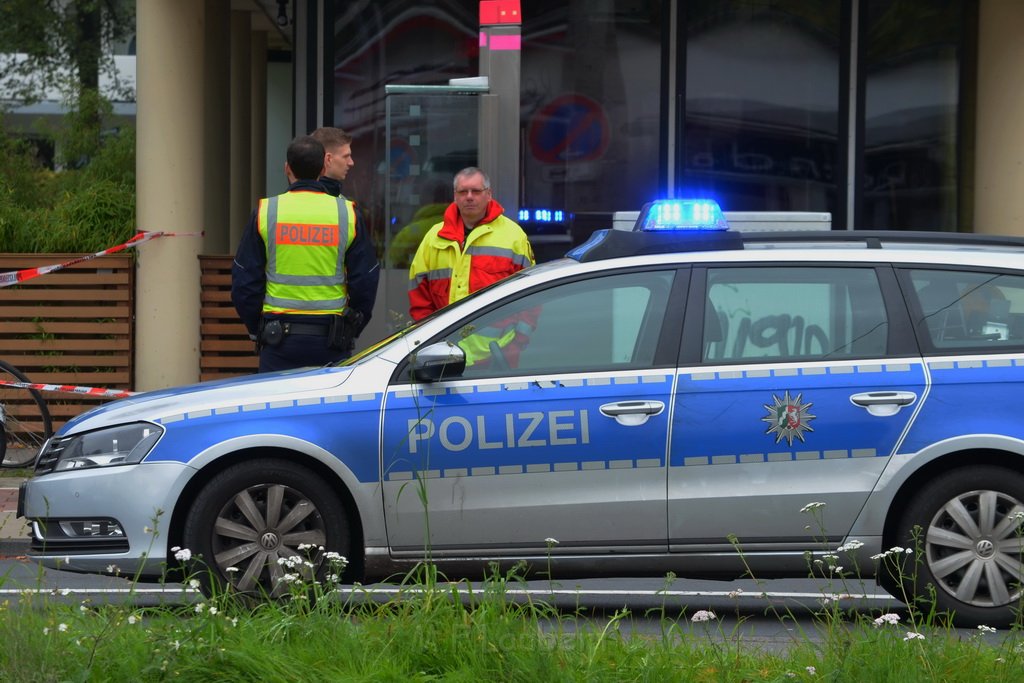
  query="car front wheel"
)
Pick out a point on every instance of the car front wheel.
point(970, 540)
point(261, 526)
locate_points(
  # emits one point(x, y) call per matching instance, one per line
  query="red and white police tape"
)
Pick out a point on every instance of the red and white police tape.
point(18, 276)
point(71, 389)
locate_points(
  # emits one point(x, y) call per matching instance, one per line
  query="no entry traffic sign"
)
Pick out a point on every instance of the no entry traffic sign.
point(569, 128)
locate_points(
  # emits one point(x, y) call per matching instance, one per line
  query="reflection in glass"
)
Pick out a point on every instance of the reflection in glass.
point(912, 88)
point(762, 98)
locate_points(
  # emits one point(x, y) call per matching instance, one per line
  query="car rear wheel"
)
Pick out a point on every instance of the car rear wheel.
point(971, 528)
point(260, 526)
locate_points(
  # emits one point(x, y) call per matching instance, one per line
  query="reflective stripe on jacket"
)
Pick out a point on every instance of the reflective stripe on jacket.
point(308, 235)
point(445, 270)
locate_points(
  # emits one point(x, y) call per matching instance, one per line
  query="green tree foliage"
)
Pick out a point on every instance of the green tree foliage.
point(64, 46)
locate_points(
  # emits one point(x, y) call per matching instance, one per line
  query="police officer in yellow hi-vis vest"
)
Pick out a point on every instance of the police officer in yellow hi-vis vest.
point(305, 275)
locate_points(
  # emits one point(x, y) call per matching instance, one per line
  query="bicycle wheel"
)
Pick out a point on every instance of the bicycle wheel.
point(24, 420)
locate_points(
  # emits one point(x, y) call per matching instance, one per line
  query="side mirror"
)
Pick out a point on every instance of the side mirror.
point(433, 363)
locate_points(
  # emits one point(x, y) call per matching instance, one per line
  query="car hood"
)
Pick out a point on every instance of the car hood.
point(156, 405)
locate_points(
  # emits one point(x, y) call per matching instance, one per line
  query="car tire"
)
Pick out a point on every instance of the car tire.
point(258, 512)
point(969, 545)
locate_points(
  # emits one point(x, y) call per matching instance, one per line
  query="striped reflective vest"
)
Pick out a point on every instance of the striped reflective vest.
point(445, 270)
point(306, 235)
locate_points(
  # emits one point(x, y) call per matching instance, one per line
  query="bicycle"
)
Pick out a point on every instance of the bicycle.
point(25, 422)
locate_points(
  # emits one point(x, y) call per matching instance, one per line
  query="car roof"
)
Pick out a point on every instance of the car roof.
point(846, 245)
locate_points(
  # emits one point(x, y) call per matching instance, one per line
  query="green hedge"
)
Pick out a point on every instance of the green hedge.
point(81, 210)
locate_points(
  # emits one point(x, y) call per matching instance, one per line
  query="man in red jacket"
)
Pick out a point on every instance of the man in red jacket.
point(474, 246)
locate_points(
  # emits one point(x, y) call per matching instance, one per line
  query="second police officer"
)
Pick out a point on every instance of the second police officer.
point(304, 278)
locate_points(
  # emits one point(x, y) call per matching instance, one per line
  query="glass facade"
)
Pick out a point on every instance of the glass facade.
point(624, 101)
point(913, 57)
point(761, 124)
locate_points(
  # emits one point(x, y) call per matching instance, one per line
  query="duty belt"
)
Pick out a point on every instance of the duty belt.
point(306, 328)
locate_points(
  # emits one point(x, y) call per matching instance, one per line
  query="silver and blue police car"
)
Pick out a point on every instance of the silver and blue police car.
point(667, 399)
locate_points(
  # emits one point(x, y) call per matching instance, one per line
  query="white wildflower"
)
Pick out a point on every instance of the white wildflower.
point(193, 584)
point(986, 629)
point(850, 545)
point(232, 570)
point(911, 635)
point(183, 555)
point(234, 621)
point(703, 615)
point(113, 569)
point(812, 506)
point(213, 609)
point(200, 607)
point(62, 627)
point(46, 630)
point(551, 541)
point(132, 619)
point(736, 593)
point(889, 618)
point(811, 670)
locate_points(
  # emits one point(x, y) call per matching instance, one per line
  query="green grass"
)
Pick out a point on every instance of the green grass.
point(433, 631)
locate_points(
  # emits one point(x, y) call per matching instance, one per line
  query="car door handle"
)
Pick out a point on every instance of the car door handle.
point(884, 403)
point(632, 413)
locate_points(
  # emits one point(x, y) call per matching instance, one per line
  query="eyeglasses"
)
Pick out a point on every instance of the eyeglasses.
point(472, 191)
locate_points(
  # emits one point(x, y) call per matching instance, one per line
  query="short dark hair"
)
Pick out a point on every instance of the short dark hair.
point(305, 157)
point(332, 137)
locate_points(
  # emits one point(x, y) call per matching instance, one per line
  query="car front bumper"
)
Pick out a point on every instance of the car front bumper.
point(104, 520)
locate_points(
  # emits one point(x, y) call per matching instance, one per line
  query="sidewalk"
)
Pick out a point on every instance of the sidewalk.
point(14, 532)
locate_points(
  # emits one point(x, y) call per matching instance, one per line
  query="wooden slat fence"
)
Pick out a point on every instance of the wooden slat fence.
point(76, 326)
point(72, 326)
point(225, 347)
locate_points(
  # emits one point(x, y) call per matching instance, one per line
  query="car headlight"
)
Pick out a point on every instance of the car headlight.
point(122, 445)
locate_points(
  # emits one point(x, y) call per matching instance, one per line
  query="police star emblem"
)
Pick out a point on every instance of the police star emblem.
point(788, 418)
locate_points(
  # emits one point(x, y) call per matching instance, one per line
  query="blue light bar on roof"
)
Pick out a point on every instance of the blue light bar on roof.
point(681, 214)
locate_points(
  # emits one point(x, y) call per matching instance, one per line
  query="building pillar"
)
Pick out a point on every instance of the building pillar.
point(258, 141)
point(999, 147)
point(500, 43)
point(217, 120)
point(169, 190)
point(240, 131)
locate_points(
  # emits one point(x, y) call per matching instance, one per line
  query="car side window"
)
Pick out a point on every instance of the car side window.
point(969, 310)
point(602, 323)
point(792, 313)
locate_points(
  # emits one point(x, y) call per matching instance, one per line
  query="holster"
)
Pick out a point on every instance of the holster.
point(344, 329)
point(271, 333)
